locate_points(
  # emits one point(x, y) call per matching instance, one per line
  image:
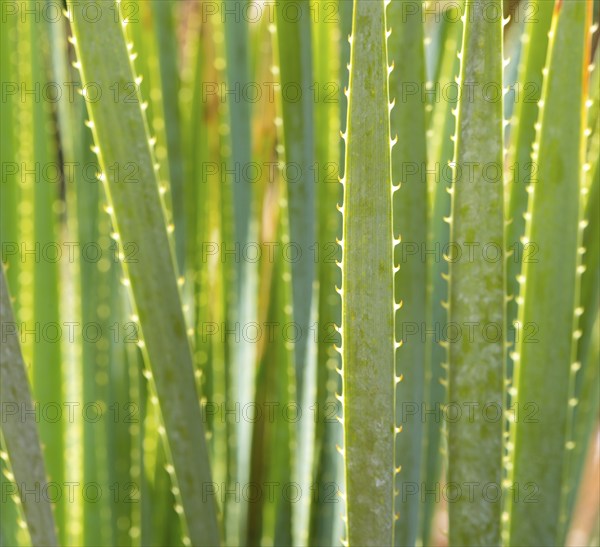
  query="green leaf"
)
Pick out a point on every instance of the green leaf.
point(409, 165)
point(368, 336)
point(294, 58)
point(9, 185)
point(270, 517)
point(165, 33)
point(585, 412)
point(39, 229)
point(296, 73)
point(325, 507)
point(544, 363)
point(442, 127)
point(522, 136)
point(240, 112)
point(121, 134)
point(476, 358)
point(20, 433)
point(239, 230)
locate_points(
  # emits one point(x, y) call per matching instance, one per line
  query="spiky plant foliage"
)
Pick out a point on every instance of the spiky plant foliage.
point(368, 304)
point(171, 235)
point(477, 286)
point(544, 375)
point(138, 216)
point(20, 436)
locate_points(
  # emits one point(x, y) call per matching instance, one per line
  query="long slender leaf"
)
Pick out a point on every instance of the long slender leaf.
point(9, 184)
point(139, 218)
point(295, 63)
point(547, 309)
point(368, 337)
point(296, 72)
point(38, 150)
point(243, 301)
point(585, 396)
point(476, 359)
point(409, 164)
point(325, 502)
point(522, 127)
point(440, 151)
point(20, 432)
point(164, 13)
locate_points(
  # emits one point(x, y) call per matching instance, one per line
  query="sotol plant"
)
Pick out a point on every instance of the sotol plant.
point(171, 236)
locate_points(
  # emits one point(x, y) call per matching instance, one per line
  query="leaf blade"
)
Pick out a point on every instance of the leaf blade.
point(476, 363)
point(368, 336)
point(121, 135)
